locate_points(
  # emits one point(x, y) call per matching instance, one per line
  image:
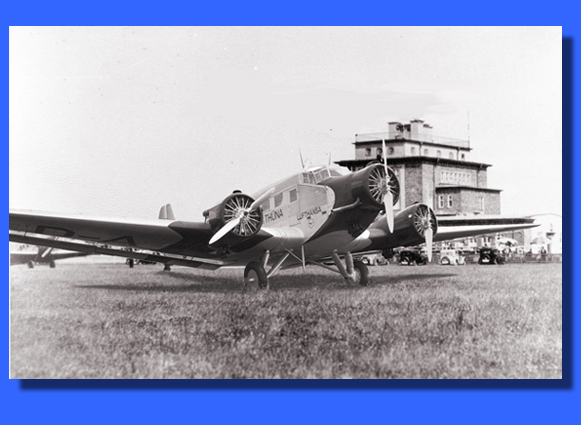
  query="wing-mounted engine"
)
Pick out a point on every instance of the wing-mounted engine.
point(415, 225)
point(236, 218)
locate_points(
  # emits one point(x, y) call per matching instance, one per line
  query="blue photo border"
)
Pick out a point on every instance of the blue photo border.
point(318, 401)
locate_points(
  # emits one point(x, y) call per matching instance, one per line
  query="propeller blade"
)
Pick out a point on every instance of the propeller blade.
point(388, 203)
point(225, 230)
point(388, 198)
point(429, 233)
point(261, 199)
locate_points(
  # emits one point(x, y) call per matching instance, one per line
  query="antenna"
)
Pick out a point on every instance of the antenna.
point(468, 112)
point(301, 156)
point(329, 158)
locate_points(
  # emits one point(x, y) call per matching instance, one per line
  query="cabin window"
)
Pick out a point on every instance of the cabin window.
point(390, 151)
point(379, 151)
point(426, 152)
point(440, 201)
point(451, 155)
point(368, 152)
point(449, 201)
point(413, 151)
point(481, 203)
point(293, 195)
point(438, 154)
point(277, 200)
point(463, 156)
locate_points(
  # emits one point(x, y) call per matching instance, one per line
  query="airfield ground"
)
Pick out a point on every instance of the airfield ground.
point(109, 321)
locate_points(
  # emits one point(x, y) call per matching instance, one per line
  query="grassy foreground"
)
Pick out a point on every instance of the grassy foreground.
point(109, 321)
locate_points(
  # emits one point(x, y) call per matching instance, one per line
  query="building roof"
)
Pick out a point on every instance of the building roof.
point(416, 159)
point(476, 189)
point(419, 142)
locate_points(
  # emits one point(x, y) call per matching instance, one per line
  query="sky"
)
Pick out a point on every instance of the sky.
point(114, 121)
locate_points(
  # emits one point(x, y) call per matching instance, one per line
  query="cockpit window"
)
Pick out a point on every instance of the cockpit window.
point(308, 178)
point(322, 175)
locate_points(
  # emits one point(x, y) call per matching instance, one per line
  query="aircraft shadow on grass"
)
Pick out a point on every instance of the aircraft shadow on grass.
point(228, 284)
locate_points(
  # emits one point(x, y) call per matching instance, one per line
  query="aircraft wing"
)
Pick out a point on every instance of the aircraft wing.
point(461, 227)
point(165, 241)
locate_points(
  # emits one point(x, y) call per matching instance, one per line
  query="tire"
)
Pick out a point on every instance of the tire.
point(499, 261)
point(30, 265)
point(255, 275)
point(362, 271)
point(51, 264)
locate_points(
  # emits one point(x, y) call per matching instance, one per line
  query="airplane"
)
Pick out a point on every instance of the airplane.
point(320, 216)
point(44, 255)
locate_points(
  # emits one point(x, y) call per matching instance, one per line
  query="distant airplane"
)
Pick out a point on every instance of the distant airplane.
point(44, 255)
point(319, 215)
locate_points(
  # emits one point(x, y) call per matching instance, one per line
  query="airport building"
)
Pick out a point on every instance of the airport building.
point(436, 171)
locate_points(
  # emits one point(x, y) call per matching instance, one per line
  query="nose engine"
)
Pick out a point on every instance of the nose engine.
point(370, 186)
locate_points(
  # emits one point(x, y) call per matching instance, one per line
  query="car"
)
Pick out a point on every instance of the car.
point(412, 258)
point(374, 260)
point(451, 257)
point(490, 256)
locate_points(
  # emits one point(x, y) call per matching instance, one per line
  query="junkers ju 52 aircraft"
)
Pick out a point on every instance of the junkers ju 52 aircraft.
point(320, 216)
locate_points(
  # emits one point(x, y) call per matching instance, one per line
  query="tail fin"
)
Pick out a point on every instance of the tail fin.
point(166, 213)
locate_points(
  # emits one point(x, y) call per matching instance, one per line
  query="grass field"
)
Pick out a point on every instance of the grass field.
point(109, 321)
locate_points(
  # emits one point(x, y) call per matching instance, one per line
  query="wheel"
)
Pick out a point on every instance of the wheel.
point(51, 264)
point(499, 260)
point(131, 262)
point(30, 265)
point(444, 261)
point(361, 273)
point(254, 275)
point(167, 268)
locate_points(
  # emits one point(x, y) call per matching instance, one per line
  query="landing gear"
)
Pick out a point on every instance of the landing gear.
point(355, 272)
point(255, 276)
point(51, 264)
point(167, 268)
point(361, 273)
point(30, 265)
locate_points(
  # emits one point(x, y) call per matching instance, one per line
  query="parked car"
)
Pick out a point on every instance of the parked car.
point(490, 256)
point(412, 258)
point(451, 257)
point(374, 260)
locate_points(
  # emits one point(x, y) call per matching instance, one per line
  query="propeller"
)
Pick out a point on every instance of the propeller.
point(241, 215)
point(424, 226)
point(388, 197)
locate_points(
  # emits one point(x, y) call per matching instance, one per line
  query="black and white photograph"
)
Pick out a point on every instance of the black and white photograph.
point(285, 202)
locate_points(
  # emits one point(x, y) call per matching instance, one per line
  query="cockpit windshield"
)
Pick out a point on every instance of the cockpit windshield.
point(318, 174)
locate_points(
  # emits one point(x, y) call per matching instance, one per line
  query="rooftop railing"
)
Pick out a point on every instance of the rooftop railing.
point(372, 137)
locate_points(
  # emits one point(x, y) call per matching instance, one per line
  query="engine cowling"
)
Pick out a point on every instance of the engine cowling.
point(369, 185)
point(411, 224)
point(236, 205)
